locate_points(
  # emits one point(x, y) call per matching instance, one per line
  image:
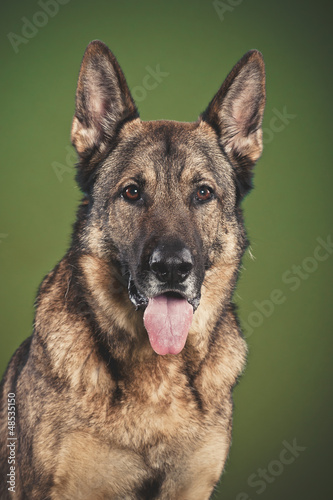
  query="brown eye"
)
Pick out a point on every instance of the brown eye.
point(132, 193)
point(204, 193)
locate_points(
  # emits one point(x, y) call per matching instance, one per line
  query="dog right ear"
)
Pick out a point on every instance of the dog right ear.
point(103, 101)
point(236, 113)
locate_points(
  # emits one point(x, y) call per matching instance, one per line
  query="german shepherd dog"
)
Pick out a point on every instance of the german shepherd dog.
point(124, 390)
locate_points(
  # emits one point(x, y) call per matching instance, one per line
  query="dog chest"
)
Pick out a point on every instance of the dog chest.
point(155, 437)
point(182, 469)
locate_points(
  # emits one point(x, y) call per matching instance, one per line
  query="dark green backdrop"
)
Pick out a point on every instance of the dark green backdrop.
point(284, 294)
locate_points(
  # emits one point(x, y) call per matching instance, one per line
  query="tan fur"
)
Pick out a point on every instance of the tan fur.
point(165, 404)
point(100, 415)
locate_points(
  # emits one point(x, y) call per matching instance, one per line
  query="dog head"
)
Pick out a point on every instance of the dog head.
point(164, 196)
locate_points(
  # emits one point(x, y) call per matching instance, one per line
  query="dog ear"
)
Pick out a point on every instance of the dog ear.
point(103, 101)
point(236, 113)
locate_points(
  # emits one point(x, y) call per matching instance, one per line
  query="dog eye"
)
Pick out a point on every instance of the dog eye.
point(204, 193)
point(131, 193)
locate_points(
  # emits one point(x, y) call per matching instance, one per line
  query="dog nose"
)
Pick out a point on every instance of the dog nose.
point(171, 265)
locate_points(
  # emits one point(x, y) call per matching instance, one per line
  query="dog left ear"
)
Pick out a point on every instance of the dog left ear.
point(103, 103)
point(236, 113)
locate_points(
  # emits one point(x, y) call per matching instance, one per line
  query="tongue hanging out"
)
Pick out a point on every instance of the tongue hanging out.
point(167, 321)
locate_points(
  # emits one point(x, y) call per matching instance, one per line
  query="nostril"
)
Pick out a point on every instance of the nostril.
point(160, 269)
point(184, 268)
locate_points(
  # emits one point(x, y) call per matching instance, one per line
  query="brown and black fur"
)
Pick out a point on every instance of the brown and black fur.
point(100, 415)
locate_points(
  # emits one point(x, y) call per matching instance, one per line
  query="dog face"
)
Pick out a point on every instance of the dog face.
point(164, 196)
point(166, 208)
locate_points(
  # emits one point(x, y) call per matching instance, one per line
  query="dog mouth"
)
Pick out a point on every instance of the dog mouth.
point(140, 301)
point(167, 318)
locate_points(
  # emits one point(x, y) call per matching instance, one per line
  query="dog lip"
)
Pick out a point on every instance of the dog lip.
point(140, 301)
point(172, 293)
point(137, 298)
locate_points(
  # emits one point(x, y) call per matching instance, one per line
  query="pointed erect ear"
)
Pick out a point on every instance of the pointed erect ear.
point(236, 114)
point(103, 101)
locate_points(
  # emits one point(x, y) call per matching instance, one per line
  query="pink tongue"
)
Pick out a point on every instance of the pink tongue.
point(167, 321)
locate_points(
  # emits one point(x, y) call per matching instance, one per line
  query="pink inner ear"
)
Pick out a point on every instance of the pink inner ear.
point(242, 110)
point(97, 106)
point(97, 102)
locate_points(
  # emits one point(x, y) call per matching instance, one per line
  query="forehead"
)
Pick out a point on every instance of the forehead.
point(166, 149)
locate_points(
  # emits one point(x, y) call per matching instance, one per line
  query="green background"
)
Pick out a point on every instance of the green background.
point(285, 393)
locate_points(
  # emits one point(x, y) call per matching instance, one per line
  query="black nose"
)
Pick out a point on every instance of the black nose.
point(171, 263)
